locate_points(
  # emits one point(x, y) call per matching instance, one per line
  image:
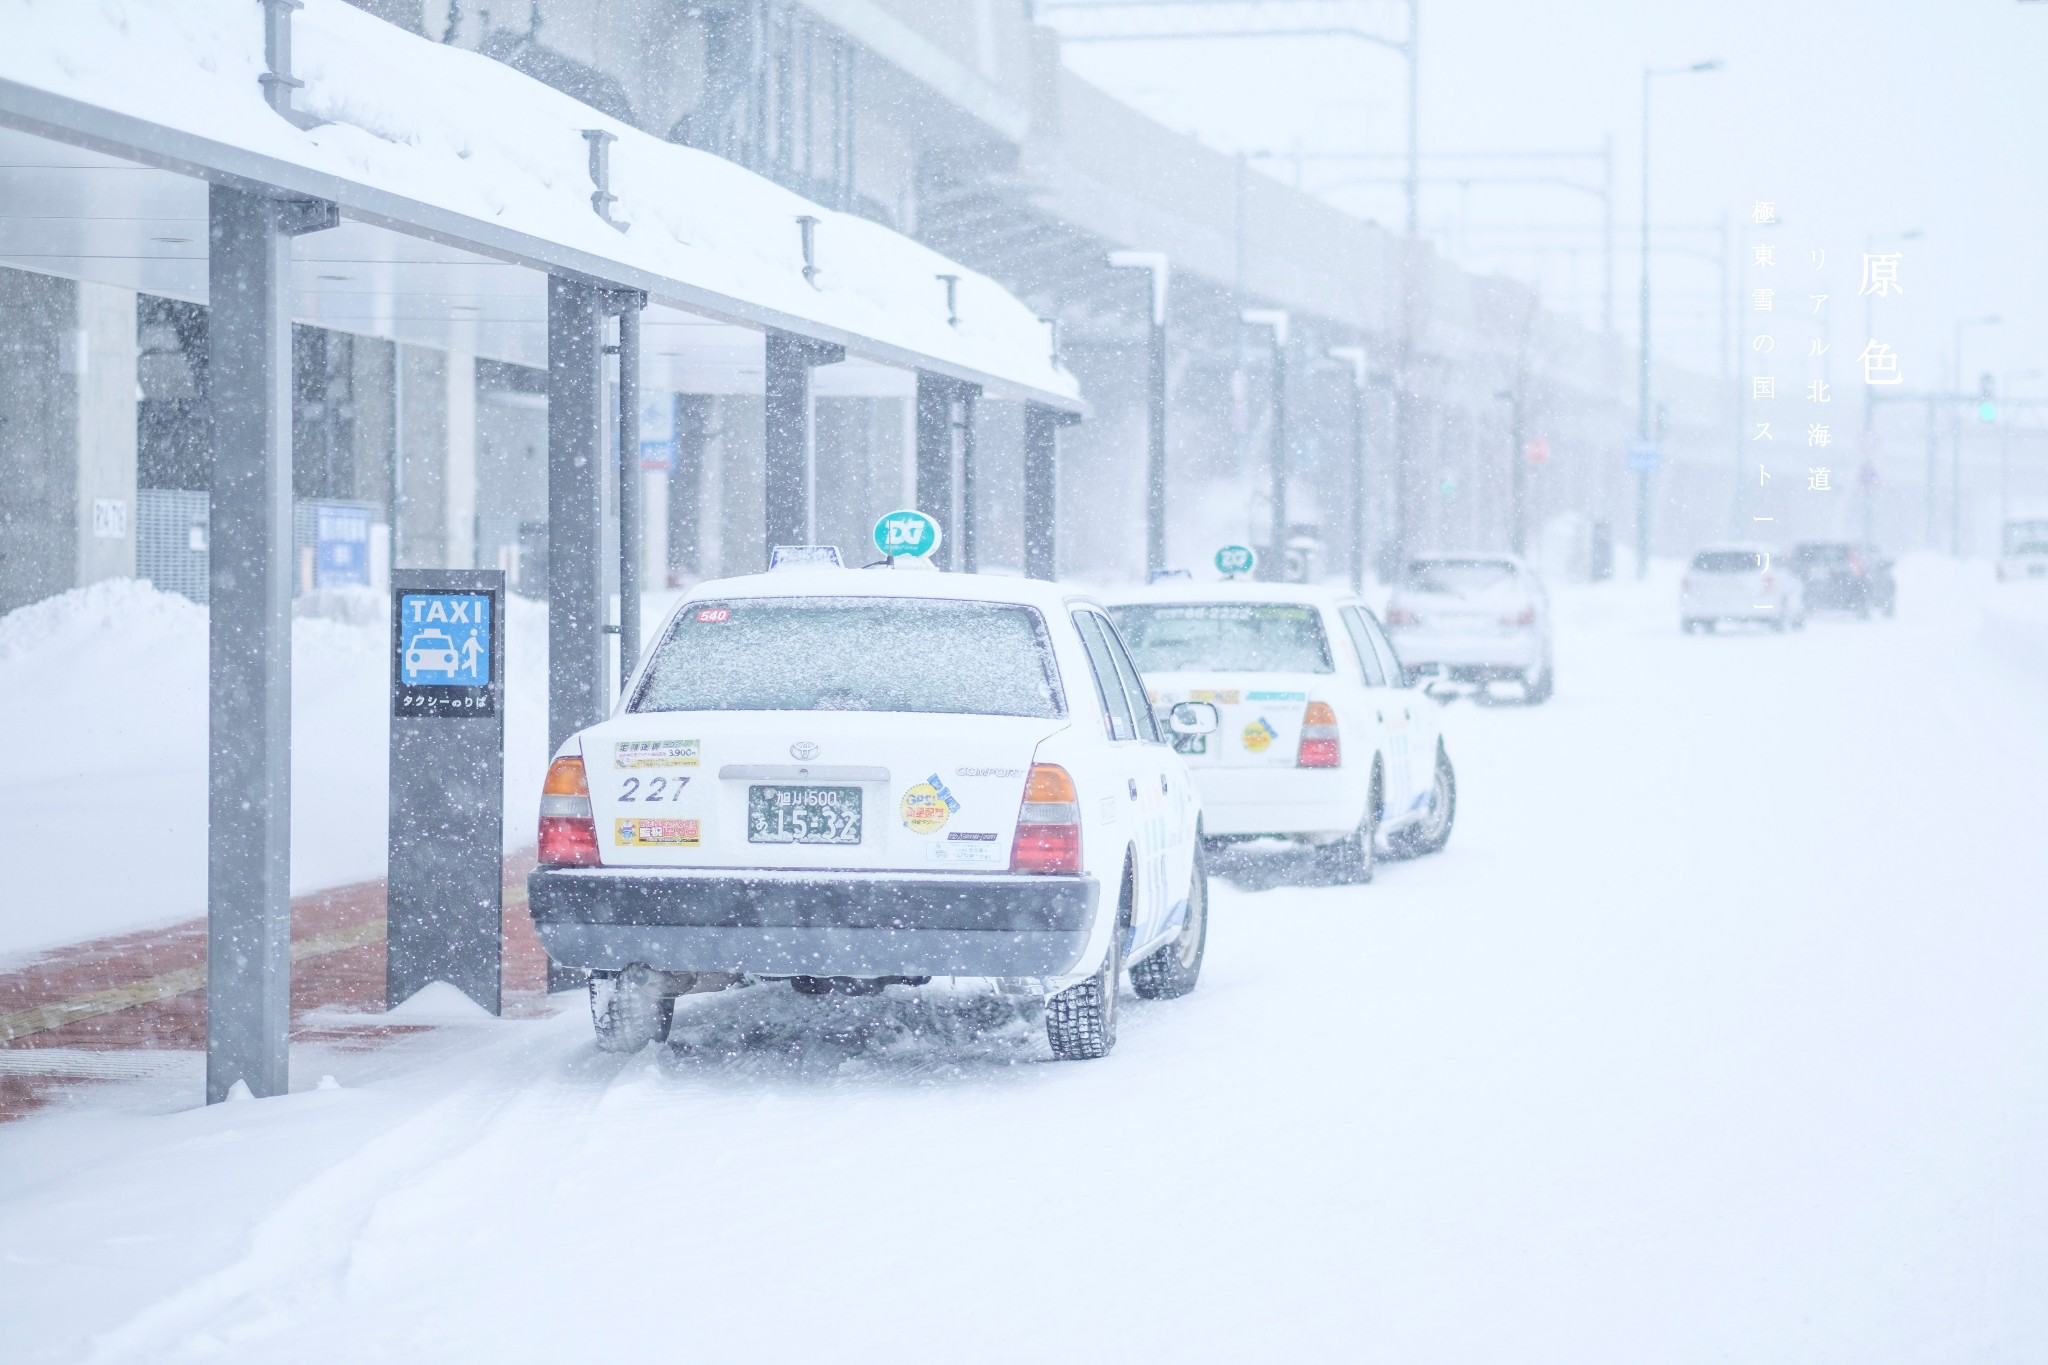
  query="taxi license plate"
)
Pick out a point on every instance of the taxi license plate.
point(784, 814)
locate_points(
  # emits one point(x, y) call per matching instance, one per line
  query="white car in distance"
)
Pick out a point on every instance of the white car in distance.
point(1480, 622)
point(1739, 583)
point(1321, 743)
point(855, 778)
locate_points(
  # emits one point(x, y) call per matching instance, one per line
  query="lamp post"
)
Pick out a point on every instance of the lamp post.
point(1153, 262)
point(1276, 319)
point(1955, 446)
point(1643, 345)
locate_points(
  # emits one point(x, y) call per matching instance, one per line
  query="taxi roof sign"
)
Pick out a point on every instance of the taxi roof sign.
point(1235, 560)
point(907, 532)
point(804, 557)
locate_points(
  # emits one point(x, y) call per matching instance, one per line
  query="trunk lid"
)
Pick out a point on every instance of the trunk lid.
point(747, 789)
point(1261, 715)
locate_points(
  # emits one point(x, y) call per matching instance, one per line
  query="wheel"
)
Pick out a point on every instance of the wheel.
point(1080, 1022)
point(630, 1009)
point(1537, 692)
point(1349, 862)
point(1173, 969)
point(1432, 834)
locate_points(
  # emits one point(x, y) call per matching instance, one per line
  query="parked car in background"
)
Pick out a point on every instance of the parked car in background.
point(1475, 618)
point(1739, 583)
point(1321, 742)
point(1835, 575)
point(2024, 551)
point(851, 779)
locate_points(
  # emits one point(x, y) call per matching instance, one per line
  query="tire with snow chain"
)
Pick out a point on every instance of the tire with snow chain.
point(1173, 969)
point(629, 1009)
point(1080, 1022)
point(1349, 862)
point(1433, 833)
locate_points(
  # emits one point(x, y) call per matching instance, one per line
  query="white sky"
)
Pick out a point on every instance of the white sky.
point(1854, 116)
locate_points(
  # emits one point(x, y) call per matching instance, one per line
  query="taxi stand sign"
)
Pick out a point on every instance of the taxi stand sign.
point(907, 534)
point(445, 846)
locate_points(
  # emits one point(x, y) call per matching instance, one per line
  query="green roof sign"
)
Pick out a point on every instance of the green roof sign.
point(906, 532)
point(1233, 560)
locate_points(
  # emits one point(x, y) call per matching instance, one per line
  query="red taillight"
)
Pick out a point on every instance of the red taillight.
point(1401, 616)
point(1319, 746)
point(1525, 617)
point(1770, 580)
point(568, 832)
point(1856, 564)
point(1048, 823)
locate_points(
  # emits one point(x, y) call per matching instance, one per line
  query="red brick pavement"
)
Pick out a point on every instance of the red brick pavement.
point(338, 947)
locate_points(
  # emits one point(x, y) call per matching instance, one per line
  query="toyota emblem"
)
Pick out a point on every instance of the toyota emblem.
point(803, 751)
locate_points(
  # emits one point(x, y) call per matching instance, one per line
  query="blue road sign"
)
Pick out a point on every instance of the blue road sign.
point(341, 547)
point(1644, 457)
point(444, 639)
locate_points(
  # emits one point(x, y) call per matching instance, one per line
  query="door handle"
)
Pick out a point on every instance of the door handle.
point(1134, 787)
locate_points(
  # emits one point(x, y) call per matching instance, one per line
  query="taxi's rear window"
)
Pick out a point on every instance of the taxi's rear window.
point(854, 654)
point(1234, 637)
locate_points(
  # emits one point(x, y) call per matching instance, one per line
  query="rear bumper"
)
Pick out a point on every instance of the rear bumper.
point(1313, 802)
point(807, 924)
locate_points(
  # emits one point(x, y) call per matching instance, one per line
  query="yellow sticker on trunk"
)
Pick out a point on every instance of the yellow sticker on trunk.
point(645, 833)
point(1259, 736)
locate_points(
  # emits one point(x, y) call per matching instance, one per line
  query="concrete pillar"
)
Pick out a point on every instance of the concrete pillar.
point(686, 485)
point(1041, 489)
point(458, 487)
point(248, 831)
point(67, 435)
point(419, 517)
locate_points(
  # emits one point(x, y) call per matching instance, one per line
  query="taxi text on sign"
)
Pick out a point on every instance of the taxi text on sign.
point(445, 852)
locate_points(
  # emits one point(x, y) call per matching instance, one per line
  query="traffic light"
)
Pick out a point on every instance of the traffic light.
point(1987, 399)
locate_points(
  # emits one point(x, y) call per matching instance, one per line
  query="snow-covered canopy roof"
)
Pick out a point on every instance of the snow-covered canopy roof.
point(485, 171)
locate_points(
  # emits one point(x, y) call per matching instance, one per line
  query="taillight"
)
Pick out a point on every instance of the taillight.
point(1401, 616)
point(1856, 564)
point(568, 831)
point(1770, 580)
point(1048, 823)
point(1525, 617)
point(1319, 746)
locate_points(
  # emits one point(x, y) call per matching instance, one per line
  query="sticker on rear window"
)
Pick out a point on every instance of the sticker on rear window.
point(988, 772)
point(1227, 697)
point(712, 616)
point(655, 753)
point(927, 806)
point(1259, 736)
point(655, 833)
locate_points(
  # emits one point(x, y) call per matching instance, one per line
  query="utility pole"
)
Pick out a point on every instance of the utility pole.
point(1354, 356)
point(1276, 319)
point(1153, 262)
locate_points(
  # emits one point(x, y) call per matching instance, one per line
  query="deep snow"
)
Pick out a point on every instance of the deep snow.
point(1716, 1034)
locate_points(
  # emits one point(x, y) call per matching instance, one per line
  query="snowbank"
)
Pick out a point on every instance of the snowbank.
point(103, 810)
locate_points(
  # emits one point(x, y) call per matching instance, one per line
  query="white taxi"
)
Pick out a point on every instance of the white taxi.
point(854, 778)
point(1320, 742)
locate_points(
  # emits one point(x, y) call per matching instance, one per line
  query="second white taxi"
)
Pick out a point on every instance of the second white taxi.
point(1321, 742)
point(849, 779)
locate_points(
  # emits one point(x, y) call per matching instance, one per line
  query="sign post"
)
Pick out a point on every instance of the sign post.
point(445, 850)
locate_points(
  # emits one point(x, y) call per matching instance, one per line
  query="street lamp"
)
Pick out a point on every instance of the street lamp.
point(1155, 442)
point(1354, 356)
point(1643, 346)
point(1955, 446)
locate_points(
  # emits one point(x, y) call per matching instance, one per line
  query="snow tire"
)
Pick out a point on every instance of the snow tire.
point(629, 1009)
point(1080, 1022)
point(1350, 862)
point(1175, 967)
point(1434, 833)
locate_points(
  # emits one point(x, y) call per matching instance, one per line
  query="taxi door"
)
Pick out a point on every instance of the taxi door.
point(1391, 702)
point(1135, 736)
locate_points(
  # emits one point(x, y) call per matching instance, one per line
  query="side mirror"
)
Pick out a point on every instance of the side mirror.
point(1194, 718)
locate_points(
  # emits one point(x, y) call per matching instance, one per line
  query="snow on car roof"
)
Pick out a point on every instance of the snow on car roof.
point(1231, 590)
point(967, 587)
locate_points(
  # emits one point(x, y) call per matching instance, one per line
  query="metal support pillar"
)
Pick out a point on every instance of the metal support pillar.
point(970, 515)
point(1273, 565)
point(787, 465)
point(1156, 266)
point(249, 639)
point(577, 691)
point(1518, 477)
point(935, 395)
point(629, 303)
point(1041, 489)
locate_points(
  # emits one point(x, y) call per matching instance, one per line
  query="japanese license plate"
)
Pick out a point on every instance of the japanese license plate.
point(782, 814)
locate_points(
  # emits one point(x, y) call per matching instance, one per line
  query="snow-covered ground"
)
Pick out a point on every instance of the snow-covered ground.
point(1717, 1034)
